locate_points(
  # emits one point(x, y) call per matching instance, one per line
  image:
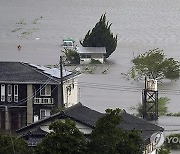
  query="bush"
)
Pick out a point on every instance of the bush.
point(72, 56)
point(94, 61)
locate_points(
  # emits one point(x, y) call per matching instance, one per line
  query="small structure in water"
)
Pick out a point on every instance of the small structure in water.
point(68, 43)
point(87, 54)
point(150, 100)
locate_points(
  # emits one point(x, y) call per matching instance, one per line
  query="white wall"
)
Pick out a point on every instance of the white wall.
point(82, 128)
point(95, 56)
point(71, 89)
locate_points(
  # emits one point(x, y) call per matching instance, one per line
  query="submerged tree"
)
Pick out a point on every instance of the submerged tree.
point(101, 36)
point(108, 137)
point(72, 56)
point(162, 107)
point(155, 65)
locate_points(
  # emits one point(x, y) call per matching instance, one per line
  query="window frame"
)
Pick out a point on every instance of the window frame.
point(45, 89)
point(16, 93)
point(9, 92)
point(45, 113)
point(3, 93)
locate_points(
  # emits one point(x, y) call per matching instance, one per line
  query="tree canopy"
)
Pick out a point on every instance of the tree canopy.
point(108, 137)
point(155, 65)
point(65, 138)
point(11, 144)
point(72, 56)
point(101, 36)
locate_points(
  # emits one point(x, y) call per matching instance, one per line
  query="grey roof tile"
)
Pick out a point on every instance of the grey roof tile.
point(89, 117)
point(19, 72)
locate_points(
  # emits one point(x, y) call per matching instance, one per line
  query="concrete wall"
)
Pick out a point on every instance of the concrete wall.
point(95, 56)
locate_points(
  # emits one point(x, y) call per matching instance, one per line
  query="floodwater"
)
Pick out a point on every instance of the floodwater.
point(40, 25)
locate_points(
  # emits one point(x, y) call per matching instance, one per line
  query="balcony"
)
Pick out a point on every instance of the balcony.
point(43, 101)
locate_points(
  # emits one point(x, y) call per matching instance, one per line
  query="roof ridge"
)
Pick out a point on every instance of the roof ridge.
point(142, 120)
point(73, 106)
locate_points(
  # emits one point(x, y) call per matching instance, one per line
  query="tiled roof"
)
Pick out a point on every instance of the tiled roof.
point(83, 114)
point(19, 72)
point(89, 117)
point(130, 122)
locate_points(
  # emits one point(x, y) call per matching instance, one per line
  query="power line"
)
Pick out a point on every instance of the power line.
point(123, 88)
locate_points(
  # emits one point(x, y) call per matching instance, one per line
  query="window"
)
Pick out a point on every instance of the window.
point(15, 93)
point(85, 56)
point(68, 43)
point(2, 93)
point(9, 93)
point(46, 91)
point(88, 56)
point(44, 113)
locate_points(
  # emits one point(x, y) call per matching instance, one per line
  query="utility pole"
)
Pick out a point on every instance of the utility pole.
point(61, 81)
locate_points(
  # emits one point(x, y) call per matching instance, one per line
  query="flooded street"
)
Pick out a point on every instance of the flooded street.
point(39, 27)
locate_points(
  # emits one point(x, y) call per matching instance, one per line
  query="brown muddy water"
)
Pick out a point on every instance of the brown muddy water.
point(40, 25)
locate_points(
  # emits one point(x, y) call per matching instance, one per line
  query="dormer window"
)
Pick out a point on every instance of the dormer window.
point(46, 91)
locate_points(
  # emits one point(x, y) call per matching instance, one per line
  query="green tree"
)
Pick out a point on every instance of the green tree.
point(72, 56)
point(164, 150)
point(11, 144)
point(101, 36)
point(162, 107)
point(109, 138)
point(155, 65)
point(65, 138)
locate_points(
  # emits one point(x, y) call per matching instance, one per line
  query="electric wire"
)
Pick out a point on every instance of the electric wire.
point(123, 88)
point(109, 87)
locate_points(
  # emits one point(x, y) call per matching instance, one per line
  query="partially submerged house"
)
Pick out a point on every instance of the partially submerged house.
point(88, 53)
point(29, 92)
point(86, 119)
